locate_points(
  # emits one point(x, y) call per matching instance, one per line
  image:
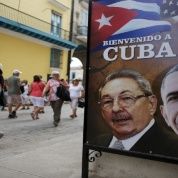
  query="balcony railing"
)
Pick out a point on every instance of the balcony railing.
point(33, 22)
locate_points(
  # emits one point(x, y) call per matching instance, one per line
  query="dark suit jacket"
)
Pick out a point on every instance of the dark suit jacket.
point(154, 141)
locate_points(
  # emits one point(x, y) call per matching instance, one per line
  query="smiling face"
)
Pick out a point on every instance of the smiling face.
point(125, 108)
point(169, 94)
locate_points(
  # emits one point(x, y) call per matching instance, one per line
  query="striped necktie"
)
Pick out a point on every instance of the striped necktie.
point(118, 145)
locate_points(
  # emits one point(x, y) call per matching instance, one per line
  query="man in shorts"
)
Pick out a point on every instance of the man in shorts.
point(14, 93)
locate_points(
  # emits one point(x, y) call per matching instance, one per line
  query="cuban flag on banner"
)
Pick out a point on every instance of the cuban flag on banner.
point(121, 19)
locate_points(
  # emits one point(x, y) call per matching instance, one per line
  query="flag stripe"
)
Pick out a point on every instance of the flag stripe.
point(147, 15)
point(141, 32)
point(106, 2)
point(136, 24)
point(147, 7)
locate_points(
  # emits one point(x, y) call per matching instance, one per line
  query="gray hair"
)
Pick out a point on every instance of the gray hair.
point(143, 83)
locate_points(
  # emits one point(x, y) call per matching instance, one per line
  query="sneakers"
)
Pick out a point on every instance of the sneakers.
point(1, 135)
point(73, 116)
point(12, 115)
point(55, 124)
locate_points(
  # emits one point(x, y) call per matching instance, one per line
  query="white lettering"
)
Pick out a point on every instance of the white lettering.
point(168, 37)
point(106, 53)
point(134, 40)
point(105, 43)
point(165, 51)
point(146, 51)
point(124, 52)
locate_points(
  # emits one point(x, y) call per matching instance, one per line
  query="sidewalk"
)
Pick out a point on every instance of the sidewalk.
point(32, 149)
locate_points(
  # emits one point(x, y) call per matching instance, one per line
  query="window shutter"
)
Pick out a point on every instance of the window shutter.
point(55, 58)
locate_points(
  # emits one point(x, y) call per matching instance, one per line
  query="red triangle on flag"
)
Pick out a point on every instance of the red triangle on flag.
point(106, 20)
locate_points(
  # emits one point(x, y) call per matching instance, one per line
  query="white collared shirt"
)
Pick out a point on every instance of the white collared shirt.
point(130, 142)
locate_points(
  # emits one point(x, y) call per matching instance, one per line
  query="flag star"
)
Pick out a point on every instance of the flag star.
point(165, 11)
point(104, 21)
point(173, 13)
point(170, 3)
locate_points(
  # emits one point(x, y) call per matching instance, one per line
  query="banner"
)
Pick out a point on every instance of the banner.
point(132, 104)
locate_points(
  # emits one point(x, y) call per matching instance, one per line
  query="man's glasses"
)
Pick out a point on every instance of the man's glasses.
point(107, 103)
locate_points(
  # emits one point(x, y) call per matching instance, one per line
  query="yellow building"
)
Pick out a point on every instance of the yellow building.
point(34, 37)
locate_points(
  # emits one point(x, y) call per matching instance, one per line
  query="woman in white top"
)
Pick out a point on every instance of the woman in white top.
point(76, 92)
point(24, 95)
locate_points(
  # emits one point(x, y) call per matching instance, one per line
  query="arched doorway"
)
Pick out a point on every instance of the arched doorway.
point(76, 69)
point(81, 53)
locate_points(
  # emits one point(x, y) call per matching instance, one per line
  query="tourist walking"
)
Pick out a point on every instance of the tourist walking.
point(25, 95)
point(55, 102)
point(14, 93)
point(76, 91)
point(36, 91)
point(2, 98)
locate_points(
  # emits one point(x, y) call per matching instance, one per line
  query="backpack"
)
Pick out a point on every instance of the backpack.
point(63, 93)
point(22, 89)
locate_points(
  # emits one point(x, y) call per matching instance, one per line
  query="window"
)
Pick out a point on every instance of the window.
point(84, 23)
point(55, 58)
point(73, 75)
point(56, 24)
point(84, 15)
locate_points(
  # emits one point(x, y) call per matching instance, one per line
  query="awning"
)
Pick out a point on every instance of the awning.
point(35, 33)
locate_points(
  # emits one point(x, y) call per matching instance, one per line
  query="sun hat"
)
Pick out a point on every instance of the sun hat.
point(16, 71)
point(55, 72)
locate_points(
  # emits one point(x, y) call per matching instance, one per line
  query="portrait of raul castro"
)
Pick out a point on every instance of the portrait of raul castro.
point(127, 106)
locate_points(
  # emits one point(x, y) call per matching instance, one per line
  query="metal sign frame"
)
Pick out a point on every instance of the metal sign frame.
point(91, 152)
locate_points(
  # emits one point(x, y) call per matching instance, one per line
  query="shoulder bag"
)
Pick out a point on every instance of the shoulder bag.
point(63, 93)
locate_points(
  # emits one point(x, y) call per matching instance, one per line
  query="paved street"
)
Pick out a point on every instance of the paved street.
point(32, 149)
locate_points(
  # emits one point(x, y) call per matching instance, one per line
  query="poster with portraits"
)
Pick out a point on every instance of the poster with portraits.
point(132, 80)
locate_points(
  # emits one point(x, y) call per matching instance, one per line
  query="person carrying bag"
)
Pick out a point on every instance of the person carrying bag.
point(63, 93)
point(76, 94)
